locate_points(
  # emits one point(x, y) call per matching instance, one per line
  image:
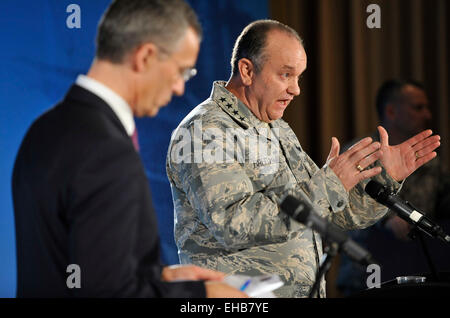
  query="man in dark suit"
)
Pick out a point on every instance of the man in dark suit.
point(85, 225)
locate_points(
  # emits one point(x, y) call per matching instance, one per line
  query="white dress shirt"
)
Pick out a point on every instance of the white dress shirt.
point(119, 106)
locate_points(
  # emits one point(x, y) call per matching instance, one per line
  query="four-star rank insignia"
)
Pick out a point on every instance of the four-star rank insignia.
point(231, 108)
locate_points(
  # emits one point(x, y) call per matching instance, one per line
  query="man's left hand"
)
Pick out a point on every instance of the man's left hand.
point(403, 159)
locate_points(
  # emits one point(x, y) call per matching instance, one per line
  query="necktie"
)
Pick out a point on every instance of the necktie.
point(134, 138)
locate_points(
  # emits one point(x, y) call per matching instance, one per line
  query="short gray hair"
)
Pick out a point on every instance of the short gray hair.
point(127, 24)
point(252, 41)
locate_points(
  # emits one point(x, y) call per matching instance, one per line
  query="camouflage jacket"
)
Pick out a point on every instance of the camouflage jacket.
point(226, 186)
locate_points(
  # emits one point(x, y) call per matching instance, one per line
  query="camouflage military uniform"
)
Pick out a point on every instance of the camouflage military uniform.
point(226, 213)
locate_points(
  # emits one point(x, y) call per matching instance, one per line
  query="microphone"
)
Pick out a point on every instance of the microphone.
point(303, 212)
point(405, 210)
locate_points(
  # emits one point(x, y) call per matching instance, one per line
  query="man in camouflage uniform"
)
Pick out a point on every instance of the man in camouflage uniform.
point(227, 185)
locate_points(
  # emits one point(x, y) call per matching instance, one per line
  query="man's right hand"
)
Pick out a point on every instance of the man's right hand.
point(350, 167)
point(222, 290)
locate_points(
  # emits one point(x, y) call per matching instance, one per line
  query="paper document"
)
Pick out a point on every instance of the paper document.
point(255, 286)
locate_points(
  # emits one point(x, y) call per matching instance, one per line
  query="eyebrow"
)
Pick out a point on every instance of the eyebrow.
point(291, 68)
point(288, 67)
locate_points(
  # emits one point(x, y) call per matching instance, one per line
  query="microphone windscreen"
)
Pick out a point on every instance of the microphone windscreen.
point(294, 208)
point(375, 190)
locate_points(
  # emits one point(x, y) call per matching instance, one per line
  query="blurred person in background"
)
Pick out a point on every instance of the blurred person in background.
point(403, 109)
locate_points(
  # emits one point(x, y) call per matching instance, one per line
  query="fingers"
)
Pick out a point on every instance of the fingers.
point(419, 137)
point(426, 150)
point(367, 161)
point(350, 175)
point(430, 141)
point(349, 166)
point(423, 160)
point(364, 152)
point(335, 146)
point(222, 290)
point(349, 181)
point(334, 151)
point(369, 173)
point(208, 274)
point(358, 146)
point(384, 137)
point(190, 272)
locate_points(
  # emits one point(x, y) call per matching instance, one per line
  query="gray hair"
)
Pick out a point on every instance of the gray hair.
point(251, 43)
point(127, 24)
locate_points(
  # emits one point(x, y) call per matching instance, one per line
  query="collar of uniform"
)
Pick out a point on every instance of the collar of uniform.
point(234, 107)
point(282, 129)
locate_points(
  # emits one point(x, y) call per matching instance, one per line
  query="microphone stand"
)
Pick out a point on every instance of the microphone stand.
point(416, 233)
point(330, 251)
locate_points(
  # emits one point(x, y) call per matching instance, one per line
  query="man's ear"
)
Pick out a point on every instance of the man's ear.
point(144, 57)
point(390, 112)
point(246, 71)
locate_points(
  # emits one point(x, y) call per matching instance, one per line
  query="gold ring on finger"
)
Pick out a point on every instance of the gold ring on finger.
point(359, 168)
point(417, 155)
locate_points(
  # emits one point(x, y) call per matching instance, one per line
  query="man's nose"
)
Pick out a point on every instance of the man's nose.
point(178, 86)
point(427, 114)
point(294, 88)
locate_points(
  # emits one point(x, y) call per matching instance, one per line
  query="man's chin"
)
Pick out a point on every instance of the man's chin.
point(275, 116)
point(153, 112)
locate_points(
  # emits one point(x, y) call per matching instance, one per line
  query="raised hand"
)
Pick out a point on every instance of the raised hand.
point(350, 166)
point(403, 159)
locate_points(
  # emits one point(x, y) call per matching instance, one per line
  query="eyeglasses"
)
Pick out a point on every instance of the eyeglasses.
point(189, 73)
point(185, 73)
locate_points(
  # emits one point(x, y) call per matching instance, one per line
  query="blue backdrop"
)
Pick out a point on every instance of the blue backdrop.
point(41, 57)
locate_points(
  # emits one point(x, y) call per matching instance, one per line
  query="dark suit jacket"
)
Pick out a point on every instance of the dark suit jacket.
point(81, 197)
